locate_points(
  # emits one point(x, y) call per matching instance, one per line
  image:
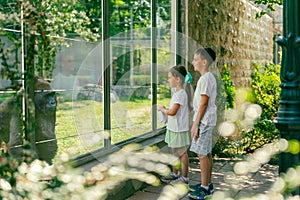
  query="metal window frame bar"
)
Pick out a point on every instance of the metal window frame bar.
point(106, 73)
point(178, 30)
point(154, 65)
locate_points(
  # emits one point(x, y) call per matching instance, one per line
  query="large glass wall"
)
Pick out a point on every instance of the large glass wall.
point(78, 79)
point(132, 70)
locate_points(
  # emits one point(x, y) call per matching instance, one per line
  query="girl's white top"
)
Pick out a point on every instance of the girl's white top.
point(180, 121)
point(206, 85)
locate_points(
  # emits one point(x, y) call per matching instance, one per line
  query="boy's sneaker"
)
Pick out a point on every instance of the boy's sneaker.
point(196, 187)
point(201, 194)
point(180, 180)
point(168, 179)
point(193, 188)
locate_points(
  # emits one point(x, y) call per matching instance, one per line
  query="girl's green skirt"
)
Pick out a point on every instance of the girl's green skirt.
point(178, 139)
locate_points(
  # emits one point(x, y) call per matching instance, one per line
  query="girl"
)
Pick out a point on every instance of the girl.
point(178, 135)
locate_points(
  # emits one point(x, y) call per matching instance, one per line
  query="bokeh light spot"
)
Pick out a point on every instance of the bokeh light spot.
point(253, 111)
point(226, 129)
point(241, 167)
point(294, 146)
point(278, 186)
point(283, 145)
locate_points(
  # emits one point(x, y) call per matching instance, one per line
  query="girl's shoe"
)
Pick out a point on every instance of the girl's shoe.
point(180, 180)
point(168, 179)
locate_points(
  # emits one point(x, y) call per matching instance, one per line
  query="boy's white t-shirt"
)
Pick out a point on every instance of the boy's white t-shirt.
point(206, 85)
point(180, 121)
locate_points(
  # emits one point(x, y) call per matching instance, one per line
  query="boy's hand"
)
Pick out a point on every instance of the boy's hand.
point(195, 131)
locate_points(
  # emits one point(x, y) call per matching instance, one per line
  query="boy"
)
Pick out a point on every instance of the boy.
point(204, 120)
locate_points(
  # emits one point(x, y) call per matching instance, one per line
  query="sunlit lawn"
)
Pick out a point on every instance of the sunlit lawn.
point(79, 125)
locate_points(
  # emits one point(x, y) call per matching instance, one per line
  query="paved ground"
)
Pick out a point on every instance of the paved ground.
point(224, 180)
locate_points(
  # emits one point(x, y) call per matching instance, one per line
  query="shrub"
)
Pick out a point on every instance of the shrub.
point(261, 131)
point(138, 80)
point(266, 90)
point(164, 91)
point(265, 85)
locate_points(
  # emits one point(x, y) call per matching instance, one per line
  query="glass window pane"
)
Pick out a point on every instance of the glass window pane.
point(10, 83)
point(164, 56)
point(131, 76)
point(78, 81)
point(163, 88)
point(131, 114)
point(77, 78)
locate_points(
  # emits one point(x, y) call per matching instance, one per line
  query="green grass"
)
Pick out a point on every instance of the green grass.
point(4, 97)
point(79, 125)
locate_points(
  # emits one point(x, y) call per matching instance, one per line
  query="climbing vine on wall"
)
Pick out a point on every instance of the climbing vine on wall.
point(44, 26)
point(228, 86)
point(269, 6)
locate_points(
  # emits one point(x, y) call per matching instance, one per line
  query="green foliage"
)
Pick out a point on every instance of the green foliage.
point(45, 25)
point(138, 80)
point(261, 131)
point(265, 85)
point(124, 13)
point(269, 6)
point(164, 92)
point(228, 87)
point(8, 165)
point(4, 97)
point(266, 90)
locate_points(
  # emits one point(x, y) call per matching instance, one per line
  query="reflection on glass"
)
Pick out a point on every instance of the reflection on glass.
point(163, 88)
point(132, 70)
point(77, 79)
point(132, 114)
point(10, 122)
point(64, 79)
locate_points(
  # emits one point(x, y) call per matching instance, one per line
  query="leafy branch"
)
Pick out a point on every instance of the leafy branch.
point(46, 23)
point(270, 6)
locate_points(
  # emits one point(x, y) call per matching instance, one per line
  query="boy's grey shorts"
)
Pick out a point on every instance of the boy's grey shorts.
point(204, 144)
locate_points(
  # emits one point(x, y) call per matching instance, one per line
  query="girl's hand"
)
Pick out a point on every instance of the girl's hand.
point(195, 131)
point(161, 108)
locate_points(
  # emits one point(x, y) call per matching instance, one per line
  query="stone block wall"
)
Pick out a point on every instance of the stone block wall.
point(230, 28)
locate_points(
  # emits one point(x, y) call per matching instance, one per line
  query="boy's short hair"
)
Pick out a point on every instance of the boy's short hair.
point(207, 53)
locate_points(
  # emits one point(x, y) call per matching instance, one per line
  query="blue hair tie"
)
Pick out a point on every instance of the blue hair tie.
point(188, 78)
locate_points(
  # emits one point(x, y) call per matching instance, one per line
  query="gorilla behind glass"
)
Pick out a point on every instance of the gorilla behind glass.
point(44, 141)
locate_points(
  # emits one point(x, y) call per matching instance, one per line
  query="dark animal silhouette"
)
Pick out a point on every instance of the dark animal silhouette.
point(44, 141)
